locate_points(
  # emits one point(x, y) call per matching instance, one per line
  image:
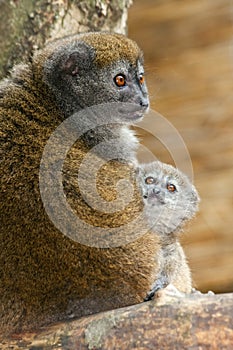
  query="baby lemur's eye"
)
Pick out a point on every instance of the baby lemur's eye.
point(120, 80)
point(141, 79)
point(171, 187)
point(150, 180)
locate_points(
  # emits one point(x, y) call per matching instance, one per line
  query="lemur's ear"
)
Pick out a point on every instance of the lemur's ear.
point(195, 195)
point(68, 61)
point(81, 56)
point(70, 66)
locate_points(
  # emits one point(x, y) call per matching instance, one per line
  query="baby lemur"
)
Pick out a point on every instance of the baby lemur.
point(46, 276)
point(170, 201)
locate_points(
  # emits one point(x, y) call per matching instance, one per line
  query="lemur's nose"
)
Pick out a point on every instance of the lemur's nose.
point(156, 190)
point(144, 103)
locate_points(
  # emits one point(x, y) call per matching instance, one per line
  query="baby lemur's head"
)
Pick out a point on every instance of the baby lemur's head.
point(94, 68)
point(170, 198)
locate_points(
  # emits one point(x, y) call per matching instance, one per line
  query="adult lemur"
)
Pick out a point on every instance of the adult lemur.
point(46, 276)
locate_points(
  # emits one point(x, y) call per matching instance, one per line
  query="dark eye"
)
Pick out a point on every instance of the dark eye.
point(171, 187)
point(141, 79)
point(120, 80)
point(150, 180)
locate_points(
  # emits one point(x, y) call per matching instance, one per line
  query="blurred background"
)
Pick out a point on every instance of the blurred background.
point(188, 50)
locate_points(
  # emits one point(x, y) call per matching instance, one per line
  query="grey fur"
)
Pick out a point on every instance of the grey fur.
point(166, 213)
point(71, 71)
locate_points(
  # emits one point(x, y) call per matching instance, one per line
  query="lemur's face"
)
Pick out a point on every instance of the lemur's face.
point(169, 197)
point(121, 82)
point(162, 184)
point(80, 77)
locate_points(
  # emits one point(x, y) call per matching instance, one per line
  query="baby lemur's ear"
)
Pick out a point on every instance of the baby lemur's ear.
point(80, 58)
point(195, 196)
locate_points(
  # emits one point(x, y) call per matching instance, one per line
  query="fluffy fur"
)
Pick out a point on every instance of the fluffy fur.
point(44, 275)
point(167, 212)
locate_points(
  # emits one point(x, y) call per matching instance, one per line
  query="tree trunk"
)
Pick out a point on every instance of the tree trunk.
point(26, 25)
point(193, 322)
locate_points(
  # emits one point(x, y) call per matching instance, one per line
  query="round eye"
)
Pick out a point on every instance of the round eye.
point(141, 79)
point(171, 187)
point(150, 180)
point(120, 80)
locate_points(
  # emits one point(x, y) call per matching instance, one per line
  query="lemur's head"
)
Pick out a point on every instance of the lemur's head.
point(95, 68)
point(169, 196)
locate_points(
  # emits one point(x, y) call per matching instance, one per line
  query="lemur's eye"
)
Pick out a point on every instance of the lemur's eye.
point(150, 180)
point(171, 187)
point(141, 79)
point(120, 80)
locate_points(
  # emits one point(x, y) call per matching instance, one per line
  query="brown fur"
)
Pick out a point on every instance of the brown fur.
point(45, 276)
point(122, 52)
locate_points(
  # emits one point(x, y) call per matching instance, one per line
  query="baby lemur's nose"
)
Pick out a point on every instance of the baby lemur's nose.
point(156, 190)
